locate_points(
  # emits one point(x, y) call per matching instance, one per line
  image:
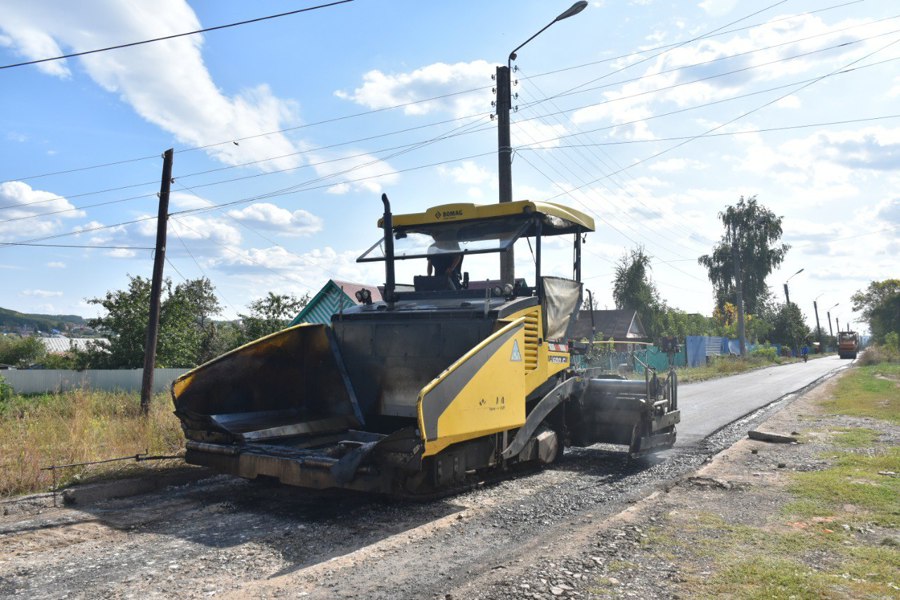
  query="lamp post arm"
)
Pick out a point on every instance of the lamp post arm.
point(512, 55)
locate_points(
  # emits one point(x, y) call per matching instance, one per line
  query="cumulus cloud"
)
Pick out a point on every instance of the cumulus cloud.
point(717, 8)
point(382, 90)
point(275, 267)
point(674, 165)
point(30, 212)
point(467, 173)
point(353, 170)
point(718, 69)
point(181, 97)
point(267, 216)
point(41, 293)
point(535, 134)
point(889, 211)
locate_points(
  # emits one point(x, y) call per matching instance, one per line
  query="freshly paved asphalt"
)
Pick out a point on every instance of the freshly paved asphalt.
point(710, 405)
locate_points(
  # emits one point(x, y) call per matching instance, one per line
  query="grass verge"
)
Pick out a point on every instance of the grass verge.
point(79, 426)
point(870, 391)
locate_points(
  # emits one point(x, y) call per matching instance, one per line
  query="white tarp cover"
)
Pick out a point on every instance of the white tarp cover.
point(562, 298)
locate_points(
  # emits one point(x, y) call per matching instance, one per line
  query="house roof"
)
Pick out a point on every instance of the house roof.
point(61, 345)
point(621, 324)
point(334, 296)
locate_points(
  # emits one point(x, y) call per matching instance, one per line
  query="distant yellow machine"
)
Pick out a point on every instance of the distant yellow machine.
point(444, 382)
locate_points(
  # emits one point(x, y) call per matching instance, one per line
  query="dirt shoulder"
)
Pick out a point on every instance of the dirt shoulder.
point(814, 519)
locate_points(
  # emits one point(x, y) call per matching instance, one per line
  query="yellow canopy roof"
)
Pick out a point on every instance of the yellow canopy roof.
point(561, 219)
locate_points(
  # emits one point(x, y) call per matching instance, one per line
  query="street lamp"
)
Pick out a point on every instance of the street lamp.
point(828, 312)
point(504, 147)
point(787, 296)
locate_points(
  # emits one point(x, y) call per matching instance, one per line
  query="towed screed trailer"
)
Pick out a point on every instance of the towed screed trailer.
point(442, 384)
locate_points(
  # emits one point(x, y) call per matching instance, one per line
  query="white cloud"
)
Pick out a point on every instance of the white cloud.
point(719, 69)
point(166, 82)
point(789, 102)
point(535, 134)
point(673, 165)
point(56, 265)
point(31, 213)
point(825, 164)
point(381, 90)
point(274, 218)
point(41, 293)
point(717, 8)
point(467, 173)
point(186, 201)
point(275, 267)
point(121, 253)
point(353, 170)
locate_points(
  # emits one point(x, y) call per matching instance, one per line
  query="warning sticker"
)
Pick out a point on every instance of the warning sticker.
point(516, 356)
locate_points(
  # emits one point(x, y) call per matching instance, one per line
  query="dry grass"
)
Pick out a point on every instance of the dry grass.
point(80, 426)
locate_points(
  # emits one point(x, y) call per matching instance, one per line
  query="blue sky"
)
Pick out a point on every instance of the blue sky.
point(650, 116)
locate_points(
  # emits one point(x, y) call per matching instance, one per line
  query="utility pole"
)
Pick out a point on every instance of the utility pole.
point(504, 146)
point(837, 323)
point(739, 289)
point(159, 259)
point(787, 295)
point(818, 329)
point(504, 157)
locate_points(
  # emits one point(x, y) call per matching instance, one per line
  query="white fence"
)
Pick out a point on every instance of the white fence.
point(40, 381)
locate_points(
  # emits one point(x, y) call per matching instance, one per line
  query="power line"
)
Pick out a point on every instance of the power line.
point(78, 246)
point(413, 102)
point(174, 35)
point(684, 43)
point(741, 116)
point(616, 182)
point(532, 147)
point(720, 134)
point(702, 79)
point(702, 37)
point(450, 94)
point(710, 103)
point(546, 99)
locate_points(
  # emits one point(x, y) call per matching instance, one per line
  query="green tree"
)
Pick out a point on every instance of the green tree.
point(186, 330)
point(755, 232)
point(674, 322)
point(789, 327)
point(633, 288)
point(270, 314)
point(184, 325)
point(879, 305)
point(21, 351)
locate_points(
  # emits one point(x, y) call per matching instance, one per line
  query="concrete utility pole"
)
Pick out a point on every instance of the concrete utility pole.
point(828, 313)
point(504, 147)
point(156, 285)
point(787, 299)
point(504, 166)
point(818, 328)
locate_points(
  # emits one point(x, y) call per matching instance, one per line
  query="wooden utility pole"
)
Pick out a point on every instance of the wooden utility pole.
point(159, 259)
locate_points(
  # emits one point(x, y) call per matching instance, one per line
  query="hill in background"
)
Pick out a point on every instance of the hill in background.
point(11, 320)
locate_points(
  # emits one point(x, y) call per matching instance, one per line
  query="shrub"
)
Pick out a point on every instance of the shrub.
point(766, 351)
point(880, 354)
point(6, 391)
